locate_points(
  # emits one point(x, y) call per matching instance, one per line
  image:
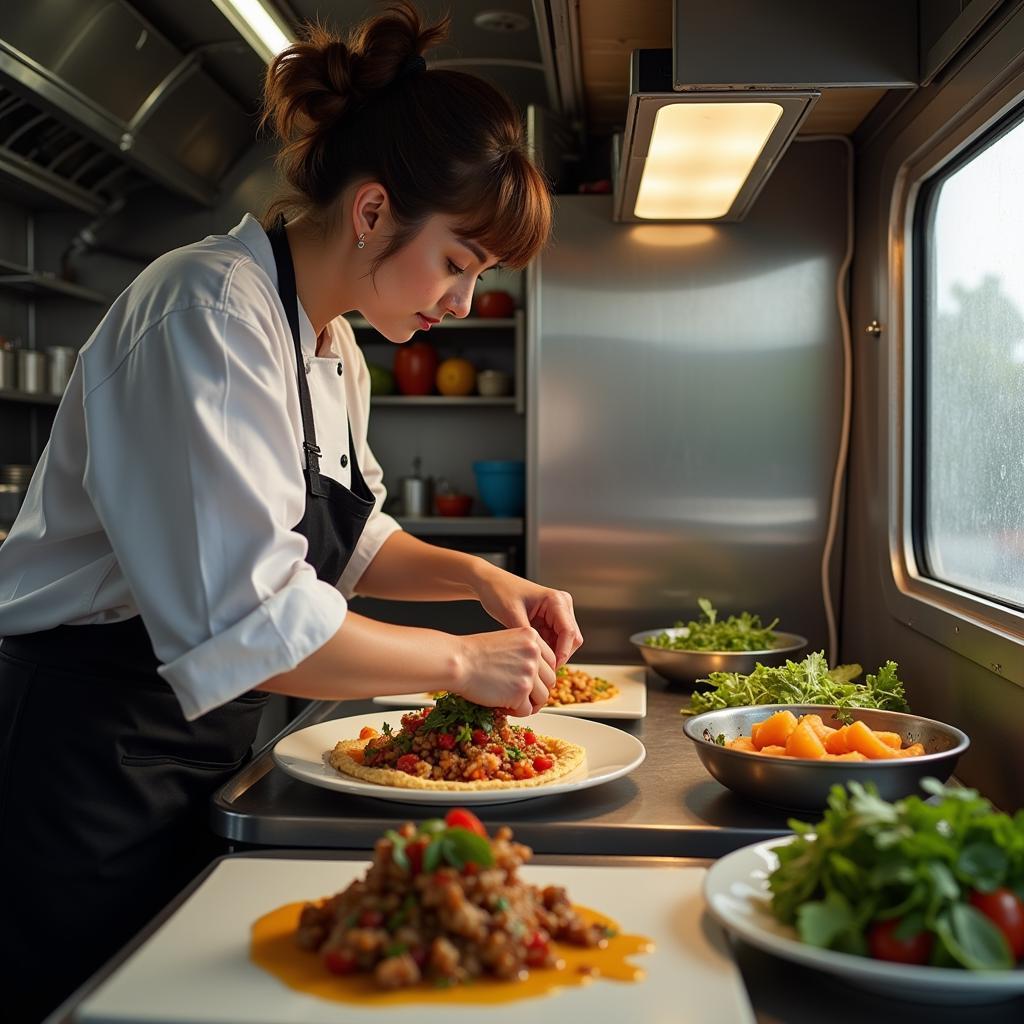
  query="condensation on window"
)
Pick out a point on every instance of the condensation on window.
point(973, 448)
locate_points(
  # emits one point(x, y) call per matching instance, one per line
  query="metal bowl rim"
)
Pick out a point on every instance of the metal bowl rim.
point(963, 740)
point(799, 643)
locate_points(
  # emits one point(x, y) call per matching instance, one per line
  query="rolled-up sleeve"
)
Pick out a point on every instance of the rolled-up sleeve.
point(379, 526)
point(194, 472)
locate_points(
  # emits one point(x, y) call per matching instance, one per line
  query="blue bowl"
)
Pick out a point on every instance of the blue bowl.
point(502, 486)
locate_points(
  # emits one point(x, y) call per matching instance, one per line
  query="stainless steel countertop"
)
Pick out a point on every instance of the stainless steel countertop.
point(780, 992)
point(668, 807)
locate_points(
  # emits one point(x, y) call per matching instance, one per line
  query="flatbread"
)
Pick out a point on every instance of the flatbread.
point(567, 757)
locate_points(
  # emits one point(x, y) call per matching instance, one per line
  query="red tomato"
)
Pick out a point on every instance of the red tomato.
point(1005, 909)
point(459, 817)
point(529, 738)
point(415, 851)
point(415, 368)
point(407, 763)
point(371, 919)
point(542, 764)
point(495, 304)
point(337, 961)
point(885, 946)
point(446, 741)
point(479, 737)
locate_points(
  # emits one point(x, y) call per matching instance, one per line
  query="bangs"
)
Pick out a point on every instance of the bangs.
point(511, 216)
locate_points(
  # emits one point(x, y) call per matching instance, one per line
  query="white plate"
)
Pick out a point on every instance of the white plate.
point(631, 701)
point(736, 889)
point(195, 969)
point(611, 754)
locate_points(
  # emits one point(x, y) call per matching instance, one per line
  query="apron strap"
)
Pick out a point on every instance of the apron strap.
point(290, 298)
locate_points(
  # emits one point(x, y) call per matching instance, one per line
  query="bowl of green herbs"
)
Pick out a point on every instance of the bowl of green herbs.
point(693, 650)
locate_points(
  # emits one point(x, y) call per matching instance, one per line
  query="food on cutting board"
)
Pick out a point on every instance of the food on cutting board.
point(456, 745)
point(802, 682)
point(915, 882)
point(808, 737)
point(443, 915)
point(743, 632)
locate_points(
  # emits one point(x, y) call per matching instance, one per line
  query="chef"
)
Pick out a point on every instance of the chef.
point(208, 503)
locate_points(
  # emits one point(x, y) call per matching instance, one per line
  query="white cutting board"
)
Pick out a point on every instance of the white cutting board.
point(195, 969)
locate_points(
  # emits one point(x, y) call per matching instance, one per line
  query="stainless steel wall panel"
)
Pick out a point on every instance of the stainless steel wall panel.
point(685, 393)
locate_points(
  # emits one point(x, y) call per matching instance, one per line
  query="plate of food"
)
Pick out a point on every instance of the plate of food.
point(444, 923)
point(691, 651)
point(457, 752)
point(587, 691)
point(917, 899)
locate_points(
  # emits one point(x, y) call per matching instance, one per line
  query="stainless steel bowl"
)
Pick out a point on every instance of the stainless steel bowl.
point(803, 784)
point(689, 666)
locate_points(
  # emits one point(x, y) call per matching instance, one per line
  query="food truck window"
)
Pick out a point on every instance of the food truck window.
point(968, 393)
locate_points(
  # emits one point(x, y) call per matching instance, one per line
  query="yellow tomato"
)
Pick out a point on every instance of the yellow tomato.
point(456, 377)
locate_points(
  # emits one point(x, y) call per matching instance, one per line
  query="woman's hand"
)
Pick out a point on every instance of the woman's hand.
point(513, 601)
point(508, 668)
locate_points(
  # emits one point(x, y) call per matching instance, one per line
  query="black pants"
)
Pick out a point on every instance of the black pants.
point(103, 801)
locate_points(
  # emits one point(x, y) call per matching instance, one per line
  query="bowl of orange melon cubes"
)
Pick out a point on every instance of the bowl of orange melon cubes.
point(791, 755)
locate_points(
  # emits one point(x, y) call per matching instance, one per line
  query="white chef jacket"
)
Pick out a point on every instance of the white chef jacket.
point(173, 477)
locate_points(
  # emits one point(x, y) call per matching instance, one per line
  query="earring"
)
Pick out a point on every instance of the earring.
point(361, 244)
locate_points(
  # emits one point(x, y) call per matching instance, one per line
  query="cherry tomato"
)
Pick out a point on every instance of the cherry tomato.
point(446, 741)
point(884, 945)
point(479, 737)
point(542, 764)
point(459, 817)
point(337, 961)
point(529, 738)
point(1005, 909)
point(407, 763)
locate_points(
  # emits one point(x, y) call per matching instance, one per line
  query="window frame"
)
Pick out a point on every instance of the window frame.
point(975, 626)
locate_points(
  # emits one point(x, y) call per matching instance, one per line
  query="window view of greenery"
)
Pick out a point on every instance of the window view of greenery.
point(973, 493)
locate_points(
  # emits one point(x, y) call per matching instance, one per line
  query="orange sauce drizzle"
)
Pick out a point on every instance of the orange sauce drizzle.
point(274, 949)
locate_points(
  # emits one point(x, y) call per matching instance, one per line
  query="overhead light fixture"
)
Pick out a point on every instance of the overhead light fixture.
point(700, 155)
point(259, 25)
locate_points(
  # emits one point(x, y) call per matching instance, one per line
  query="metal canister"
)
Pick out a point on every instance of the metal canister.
point(416, 492)
point(8, 365)
point(31, 371)
point(62, 362)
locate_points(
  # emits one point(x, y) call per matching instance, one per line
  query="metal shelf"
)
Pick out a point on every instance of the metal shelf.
point(13, 395)
point(473, 400)
point(461, 526)
point(40, 282)
point(472, 322)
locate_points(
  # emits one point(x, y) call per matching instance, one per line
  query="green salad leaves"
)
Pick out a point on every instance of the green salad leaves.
point(914, 862)
point(744, 632)
point(802, 682)
point(452, 711)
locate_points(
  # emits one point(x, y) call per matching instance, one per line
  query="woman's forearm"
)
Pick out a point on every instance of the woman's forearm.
point(366, 658)
point(408, 569)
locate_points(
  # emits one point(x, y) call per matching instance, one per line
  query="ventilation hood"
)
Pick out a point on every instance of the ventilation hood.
point(94, 101)
point(708, 120)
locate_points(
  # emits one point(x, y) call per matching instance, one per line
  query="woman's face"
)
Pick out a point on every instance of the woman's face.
point(432, 276)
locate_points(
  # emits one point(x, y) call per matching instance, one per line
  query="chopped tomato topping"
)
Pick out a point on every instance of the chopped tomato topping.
point(337, 961)
point(446, 741)
point(542, 764)
point(407, 763)
point(479, 737)
point(459, 817)
point(371, 919)
point(529, 737)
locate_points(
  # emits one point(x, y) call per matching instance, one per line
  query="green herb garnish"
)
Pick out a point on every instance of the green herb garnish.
point(453, 846)
point(743, 632)
point(869, 860)
point(385, 730)
point(514, 753)
point(451, 711)
point(802, 682)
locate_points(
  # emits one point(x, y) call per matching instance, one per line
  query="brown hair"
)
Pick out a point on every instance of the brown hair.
point(439, 141)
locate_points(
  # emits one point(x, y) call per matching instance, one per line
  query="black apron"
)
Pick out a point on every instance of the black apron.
point(104, 787)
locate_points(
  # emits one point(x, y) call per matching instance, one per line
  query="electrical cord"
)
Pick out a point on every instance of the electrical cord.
point(843, 451)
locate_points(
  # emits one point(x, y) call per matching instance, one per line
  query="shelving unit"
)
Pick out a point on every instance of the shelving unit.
point(473, 401)
point(461, 526)
point(14, 395)
point(46, 283)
